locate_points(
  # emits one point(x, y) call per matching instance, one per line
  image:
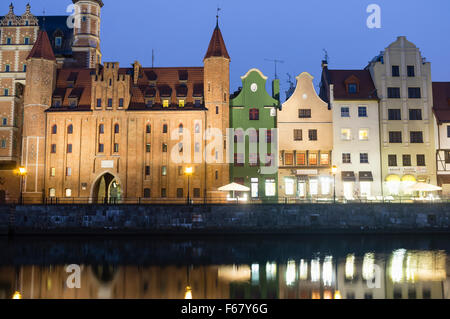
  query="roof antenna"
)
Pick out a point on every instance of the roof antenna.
point(275, 61)
point(153, 58)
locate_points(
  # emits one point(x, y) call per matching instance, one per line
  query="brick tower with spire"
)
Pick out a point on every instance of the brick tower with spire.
point(217, 88)
point(40, 79)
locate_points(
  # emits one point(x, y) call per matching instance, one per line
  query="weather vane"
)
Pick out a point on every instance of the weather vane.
point(217, 16)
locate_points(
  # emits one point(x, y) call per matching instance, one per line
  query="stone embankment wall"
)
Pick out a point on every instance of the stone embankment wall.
point(225, 219)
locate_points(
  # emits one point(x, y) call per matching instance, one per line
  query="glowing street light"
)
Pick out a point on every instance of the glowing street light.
point(334, 172)
point(188, 294)
point(188, 171)
point(22, 171)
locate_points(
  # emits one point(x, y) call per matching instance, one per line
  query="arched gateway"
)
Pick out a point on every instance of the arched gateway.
point(107, 190)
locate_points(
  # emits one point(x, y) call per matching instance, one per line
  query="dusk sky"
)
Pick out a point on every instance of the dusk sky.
point(295, 31)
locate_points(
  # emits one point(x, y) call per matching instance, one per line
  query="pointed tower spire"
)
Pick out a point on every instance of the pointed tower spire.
point(217, 46)
point(42, 48)
point(11, 8)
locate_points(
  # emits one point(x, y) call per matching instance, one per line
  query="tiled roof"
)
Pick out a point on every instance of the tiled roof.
point(366, 88)
point(42, 48)
point(441, 101)
point(217, 46)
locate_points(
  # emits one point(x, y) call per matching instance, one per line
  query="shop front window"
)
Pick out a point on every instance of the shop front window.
point(289, 186)
point(270, 187)
point(314, 187)
point(365, 188)
point(301, 189)
point(254, 187)
point(325, 183)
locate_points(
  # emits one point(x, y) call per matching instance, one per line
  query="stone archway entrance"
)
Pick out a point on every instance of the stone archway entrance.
point(107, 190)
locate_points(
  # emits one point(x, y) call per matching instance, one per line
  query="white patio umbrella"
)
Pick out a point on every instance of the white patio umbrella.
point(234, 187)
point(423, 187)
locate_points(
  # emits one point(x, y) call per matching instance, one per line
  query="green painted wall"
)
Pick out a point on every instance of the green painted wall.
point(240, 107)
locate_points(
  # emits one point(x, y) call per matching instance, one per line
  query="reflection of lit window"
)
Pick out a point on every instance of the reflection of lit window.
point(290, 273)
point(368, 267)
point(315, 295)
point(327, 294)
point(314, 187)
point(315, 270)
point(326, 185)
point(271, 271)
point(397, 265)
point(303, 269)
point(327, 271)
point(350, 267)
point(289, 186)
point(255, 274)
point(411, 267)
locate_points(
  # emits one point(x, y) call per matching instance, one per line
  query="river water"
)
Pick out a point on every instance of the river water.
point(300, 267)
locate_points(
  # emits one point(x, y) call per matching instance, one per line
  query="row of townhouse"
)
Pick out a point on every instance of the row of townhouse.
point(382, 128)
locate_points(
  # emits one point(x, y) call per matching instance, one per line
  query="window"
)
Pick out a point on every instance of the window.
point(148, 148)
point(364, 158)
point(165, 103)
point(314, 187)
point(346, 158)
point(109, 102)
point(362, 111)
point(4, 121)
point(116, 148)
point(101, 148)
point(52, 192)
point(312, 159)
point(301, 159)
point(447, 157)
point(416, 137)
point(411, 72)
point(68, 171)
point(180, 147)
point(216, 175)
point(198, 103)
point(53, 148)
point(312, 134)
point(147, 170)
point(120, 102)
point(70, 129)
point(147, 193)
point(58, 42)
point(415, 114)
point(254, 114)
point(448, 131)
point(26, 41)
point(3, 143)
point(24, 68)
point(180, 129)
point(254, 188)
point(197, 147)
point(164, 148)
point(99, 102)
point(406, 160)
point(57, 103)
point(324, 159)
point(393, 93)
point(298, 135)
point(69, 148)
point(288, 159)
point(270, 187)
point(54, 129)
point(197, 128)
point(73, 103)
point(163, 193)
point(196, 192)
point(395, 137)
point(392, 160)
point(53, 171)
point(180, 193)
point(304, 113)
point(149, 103)
point(148, 129)
point(8, 40)
point(7, 68)
point(289, 185)
point(364, 135)
point(116, 129)
point(352, 88)
point(414, 93)
point(164, 171)
point(165, 128)
point(101, 129)
point(345, 111)
point(346, 134)
point(395, 71)
point(217, 110)
point(394, 114)
point(180, 103)
point(420, 160)
point(68, 192)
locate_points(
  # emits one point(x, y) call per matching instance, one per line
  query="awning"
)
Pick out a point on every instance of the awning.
point(234, 187)
point(365, 177)
point(409, 178)
point(348, 177)
point(423, 187)
point(392, 178)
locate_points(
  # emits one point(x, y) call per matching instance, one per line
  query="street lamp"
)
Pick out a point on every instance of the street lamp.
point(188, 171)
point(334, 171)
point(22, 171)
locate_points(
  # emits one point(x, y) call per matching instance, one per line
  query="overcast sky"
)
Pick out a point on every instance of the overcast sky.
point(295, 31)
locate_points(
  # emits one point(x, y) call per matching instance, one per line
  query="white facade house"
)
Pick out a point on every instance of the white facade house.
point(356, 146)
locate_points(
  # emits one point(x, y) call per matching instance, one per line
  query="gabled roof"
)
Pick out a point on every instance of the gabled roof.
point(217, 46)
point(42, 48)
point(366, 87)
point(441, 101)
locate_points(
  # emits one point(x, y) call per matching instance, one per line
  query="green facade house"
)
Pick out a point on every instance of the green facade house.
point(252, 111)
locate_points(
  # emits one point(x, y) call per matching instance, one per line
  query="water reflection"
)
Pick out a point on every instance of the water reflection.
point(402, 274)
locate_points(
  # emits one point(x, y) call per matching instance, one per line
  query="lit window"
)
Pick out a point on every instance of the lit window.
point(68, 192)
point(288, 159)
point(165, 103)
point(68, 171)
point(254, 188)
point(164, 171)
point(312, 159)
point(301, 159)
point(116, 148)
point(324, 159)
point(270, 187)
point(289, 185)
point(53, 172)
point(181, 103)
point(365, 188)
point(52, 192)
point(314, 187)
point(363, 135)
point(346, 134)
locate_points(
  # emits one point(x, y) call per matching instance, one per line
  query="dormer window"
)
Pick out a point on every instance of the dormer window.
point(149, 103)
point(165, 103)
point(352, 88)
point(198, 103)
point(27, 23)
point(57, 103)
point(9, 23)
point(58, 42)
point(73, 103)
point(181, 103)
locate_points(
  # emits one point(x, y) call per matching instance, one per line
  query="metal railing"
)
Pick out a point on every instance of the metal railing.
point(222, 200)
